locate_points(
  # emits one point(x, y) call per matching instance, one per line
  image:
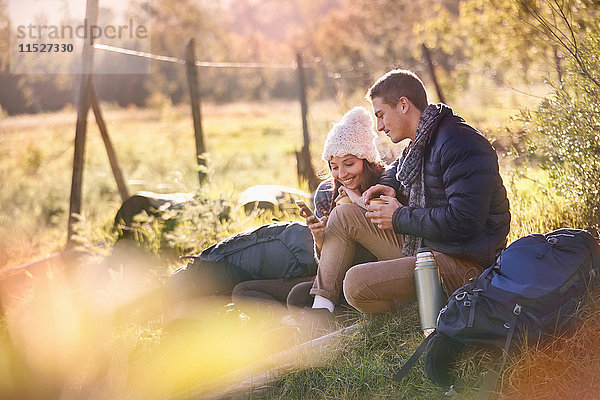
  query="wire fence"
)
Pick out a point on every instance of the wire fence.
point(211, 64)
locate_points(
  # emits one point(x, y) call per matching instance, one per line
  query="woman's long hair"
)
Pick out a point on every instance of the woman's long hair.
point(370, 175)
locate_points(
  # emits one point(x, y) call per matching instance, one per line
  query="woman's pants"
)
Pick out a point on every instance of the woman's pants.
point(269, 292)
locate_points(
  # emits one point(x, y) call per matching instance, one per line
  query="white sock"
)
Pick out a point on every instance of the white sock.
point(322, 302)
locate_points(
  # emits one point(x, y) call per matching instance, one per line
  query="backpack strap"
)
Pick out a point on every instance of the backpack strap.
point(491, 377)
point(413, 359)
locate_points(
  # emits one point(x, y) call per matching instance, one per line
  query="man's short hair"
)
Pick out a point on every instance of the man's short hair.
point(399, 83)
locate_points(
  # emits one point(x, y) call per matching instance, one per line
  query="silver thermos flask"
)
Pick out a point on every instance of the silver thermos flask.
point(430, 296)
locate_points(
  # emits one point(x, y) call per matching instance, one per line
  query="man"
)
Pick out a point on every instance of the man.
point(444, 192)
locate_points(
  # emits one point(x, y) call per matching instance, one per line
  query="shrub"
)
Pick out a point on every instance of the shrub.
point(567, 128)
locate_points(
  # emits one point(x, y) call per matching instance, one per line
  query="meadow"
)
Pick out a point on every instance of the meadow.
point(248, 144)
point(107, 331)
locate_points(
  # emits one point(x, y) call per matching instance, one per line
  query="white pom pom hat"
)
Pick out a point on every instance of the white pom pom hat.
point(353, 134)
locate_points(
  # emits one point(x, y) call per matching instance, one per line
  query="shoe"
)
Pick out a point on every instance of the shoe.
point(311, 322)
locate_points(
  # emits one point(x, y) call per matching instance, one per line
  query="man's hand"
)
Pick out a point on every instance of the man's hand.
point(381, 214)
point(376, 191)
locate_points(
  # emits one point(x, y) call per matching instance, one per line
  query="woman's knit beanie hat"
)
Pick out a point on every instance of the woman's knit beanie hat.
point(353, 134)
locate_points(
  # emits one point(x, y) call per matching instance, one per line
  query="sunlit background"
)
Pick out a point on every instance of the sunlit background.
point(95, 326)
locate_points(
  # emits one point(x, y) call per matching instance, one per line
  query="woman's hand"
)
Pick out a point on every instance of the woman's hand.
point(317, 228)
point(352, 194)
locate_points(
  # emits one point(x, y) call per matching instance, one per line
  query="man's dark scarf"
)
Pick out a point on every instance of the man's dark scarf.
point(410, 172)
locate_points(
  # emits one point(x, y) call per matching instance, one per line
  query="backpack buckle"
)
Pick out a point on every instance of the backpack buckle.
point(517, 310)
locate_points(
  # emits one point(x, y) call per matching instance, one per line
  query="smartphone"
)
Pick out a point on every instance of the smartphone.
point(303, 206)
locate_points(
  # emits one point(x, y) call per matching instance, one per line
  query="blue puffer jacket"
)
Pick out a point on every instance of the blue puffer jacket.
point(466, 210)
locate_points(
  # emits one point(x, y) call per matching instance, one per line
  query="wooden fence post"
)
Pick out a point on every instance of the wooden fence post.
point(192, 76)
point(91, 15)
point(112, 156)
point(438, 89)
point(305, 169)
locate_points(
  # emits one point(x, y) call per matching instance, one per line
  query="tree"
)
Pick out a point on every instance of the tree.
point(363, 39)
point(498, 39)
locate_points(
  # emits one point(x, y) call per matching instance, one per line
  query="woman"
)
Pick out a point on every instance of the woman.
point(355, 165)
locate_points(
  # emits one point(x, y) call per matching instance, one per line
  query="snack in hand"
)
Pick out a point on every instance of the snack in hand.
point(377, 200)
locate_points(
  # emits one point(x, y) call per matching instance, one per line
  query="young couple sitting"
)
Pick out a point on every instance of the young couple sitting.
point(444, 192)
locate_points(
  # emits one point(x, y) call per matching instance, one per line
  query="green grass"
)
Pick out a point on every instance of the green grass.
point(362, 364)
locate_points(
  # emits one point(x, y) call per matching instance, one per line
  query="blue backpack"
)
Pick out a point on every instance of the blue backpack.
point(532, 291)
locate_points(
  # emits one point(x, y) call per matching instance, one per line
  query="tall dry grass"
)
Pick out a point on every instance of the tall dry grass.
point(247, 144)
point(18, 247)
point(565, 367)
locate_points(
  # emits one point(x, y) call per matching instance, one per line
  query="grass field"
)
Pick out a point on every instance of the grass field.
point(110, 341)
point(247, 145)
